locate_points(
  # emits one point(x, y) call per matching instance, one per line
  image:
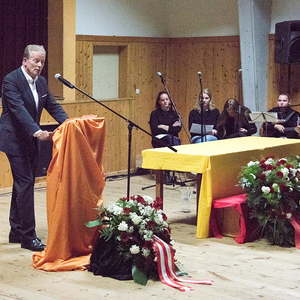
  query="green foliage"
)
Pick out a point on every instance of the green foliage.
point(139, 276)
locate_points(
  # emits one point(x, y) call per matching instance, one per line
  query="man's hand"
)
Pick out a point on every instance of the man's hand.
point(44, 135)
point(177, 123)
point(279, 127)
point(164, 127)
point(297, 129)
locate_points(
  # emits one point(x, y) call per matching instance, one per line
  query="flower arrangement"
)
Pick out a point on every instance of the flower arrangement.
point(273, 189)
point(131, 224)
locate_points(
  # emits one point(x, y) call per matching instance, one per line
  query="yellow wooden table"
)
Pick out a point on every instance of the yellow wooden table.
point(219, 162)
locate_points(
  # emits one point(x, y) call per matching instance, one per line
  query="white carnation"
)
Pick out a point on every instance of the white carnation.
point(267, 173)
point(293, 171)
point(145, 252)
point(134, 249)
point(269, 161)
point(148, 234)
point(123, 226)
point(285, 171)
point(131, 229)
point(265, 189)
point(148, 199)
point(158, 219)
point(148, 211)
point(275, 187)
point(288, 215)
point(252, 163)
point(117, 210)
point(135, 218)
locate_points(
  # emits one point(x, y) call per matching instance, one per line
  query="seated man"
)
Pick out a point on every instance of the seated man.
point(288, 120)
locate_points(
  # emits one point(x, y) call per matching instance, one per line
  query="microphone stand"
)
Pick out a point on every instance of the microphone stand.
point(200, 99)
point(130, 126)
point(163, 81)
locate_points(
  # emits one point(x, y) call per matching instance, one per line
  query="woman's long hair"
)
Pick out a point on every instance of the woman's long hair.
point(239, 117)
point(211, 106)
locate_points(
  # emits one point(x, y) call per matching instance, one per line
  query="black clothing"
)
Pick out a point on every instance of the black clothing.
point(229, 127)
point(19, 121)
point(210, 117)
point(291, 120)
point(161, 117)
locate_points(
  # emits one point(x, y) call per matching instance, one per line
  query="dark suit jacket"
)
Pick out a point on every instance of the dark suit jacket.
point(20, 118)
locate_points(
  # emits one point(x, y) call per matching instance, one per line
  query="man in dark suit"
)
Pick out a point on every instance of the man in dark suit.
point(24, 95)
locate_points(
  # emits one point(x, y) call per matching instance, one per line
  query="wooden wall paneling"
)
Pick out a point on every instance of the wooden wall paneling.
point(177, 70)
point(55, 45)
point(273, 71)
point(115, 150)
point(218, 59)
point(146, 59)
point(295, 84)
point(84, 69)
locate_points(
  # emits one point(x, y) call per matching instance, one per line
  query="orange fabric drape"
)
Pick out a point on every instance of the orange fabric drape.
point(75, 182)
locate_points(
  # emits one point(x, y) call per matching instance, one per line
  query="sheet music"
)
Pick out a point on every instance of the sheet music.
point(196, 128)
point(264, 117)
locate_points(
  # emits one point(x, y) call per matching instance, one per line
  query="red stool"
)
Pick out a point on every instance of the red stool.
point(235, 202)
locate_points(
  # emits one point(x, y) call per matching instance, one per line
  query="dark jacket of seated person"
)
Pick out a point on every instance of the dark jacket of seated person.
point(164, 123)
point(288, 120)
point(234, 121)
point(204, 113)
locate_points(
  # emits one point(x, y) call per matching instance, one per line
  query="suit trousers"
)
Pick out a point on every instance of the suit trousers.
point(22, 216)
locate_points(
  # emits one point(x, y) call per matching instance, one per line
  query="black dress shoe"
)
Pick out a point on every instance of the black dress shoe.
point(33, 245)
point(14, 238)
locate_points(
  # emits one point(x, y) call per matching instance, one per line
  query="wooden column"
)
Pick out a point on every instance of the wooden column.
point(61, 46)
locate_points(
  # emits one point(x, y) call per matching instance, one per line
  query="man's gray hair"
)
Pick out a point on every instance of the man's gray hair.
point(36, 48)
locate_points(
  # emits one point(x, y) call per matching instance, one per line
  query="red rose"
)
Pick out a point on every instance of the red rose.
point(164, 217)
point(279, 174)
point(262, 176)
point(126, 210)
point(281, 162)
point(283, 187)
point(125, 237)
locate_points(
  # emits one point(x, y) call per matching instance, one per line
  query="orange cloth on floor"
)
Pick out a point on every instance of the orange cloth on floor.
point(75, 182)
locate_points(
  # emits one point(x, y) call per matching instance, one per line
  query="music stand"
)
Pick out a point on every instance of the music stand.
point(262, 117)
point(197, 128)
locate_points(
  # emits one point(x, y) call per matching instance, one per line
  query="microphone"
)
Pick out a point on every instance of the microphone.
point(64, 81)
point(159, 74)
point(199, 74)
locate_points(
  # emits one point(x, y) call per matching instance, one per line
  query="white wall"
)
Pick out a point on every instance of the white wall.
point(121, 17)
point(157, 18)
point(106, 72)
point(284, 10)
point(190, 18)
point(170, 18)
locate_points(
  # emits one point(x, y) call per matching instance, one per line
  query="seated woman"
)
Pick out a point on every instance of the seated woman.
point(234, 121)
point(164, 123)
point(289, 120)
point(209, 116)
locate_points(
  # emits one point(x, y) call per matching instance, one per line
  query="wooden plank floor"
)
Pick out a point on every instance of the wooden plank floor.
point(249, 271)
